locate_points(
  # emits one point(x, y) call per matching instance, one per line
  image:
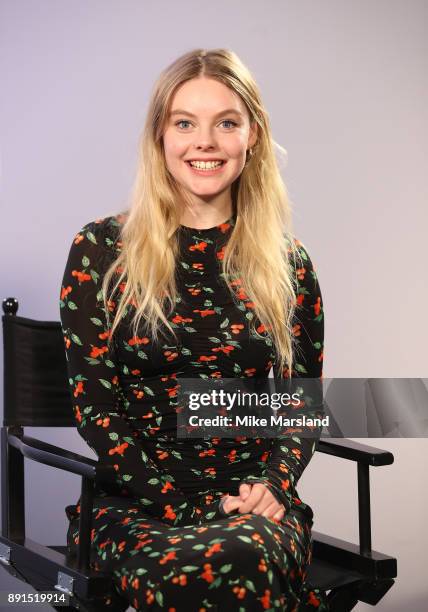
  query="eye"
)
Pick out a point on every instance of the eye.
point(230, 121)
point(234, 124)
point(182, 121)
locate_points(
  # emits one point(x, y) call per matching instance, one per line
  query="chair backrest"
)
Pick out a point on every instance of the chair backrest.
point(36, 390)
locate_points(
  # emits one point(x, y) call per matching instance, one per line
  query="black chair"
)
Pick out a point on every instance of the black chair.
point(36, 394)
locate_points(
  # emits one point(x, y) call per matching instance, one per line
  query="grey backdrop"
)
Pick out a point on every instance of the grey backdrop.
point(345, 85)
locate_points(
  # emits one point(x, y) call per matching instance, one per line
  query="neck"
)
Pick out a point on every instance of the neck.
point(205, 217)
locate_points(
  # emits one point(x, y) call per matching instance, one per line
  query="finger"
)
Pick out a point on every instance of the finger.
point(262, 505)
point(271, 510)
point(267, 500)
point(244, 490)
point(253, 499)
point(232, 503)
point(279, 515)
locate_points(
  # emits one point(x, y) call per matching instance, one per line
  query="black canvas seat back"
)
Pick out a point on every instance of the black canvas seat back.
point(36, 391)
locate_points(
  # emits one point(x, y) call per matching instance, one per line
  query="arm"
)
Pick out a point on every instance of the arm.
point(94, 379)
point(290, 454)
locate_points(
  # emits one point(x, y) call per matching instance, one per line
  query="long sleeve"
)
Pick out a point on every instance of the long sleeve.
point(94, 381)
point(290, 454)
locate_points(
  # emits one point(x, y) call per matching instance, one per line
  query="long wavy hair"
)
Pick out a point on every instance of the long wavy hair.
point(260, 247)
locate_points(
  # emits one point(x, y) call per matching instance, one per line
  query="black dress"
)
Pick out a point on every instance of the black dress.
point(158, 528)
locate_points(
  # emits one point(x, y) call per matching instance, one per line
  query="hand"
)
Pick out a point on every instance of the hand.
point(232, 502)
point(251, 499)
point(259, 500)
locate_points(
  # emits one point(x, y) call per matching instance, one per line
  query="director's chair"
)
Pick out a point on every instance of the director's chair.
point(36, 394)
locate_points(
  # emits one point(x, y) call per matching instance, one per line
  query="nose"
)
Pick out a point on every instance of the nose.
point(205, 140)
point(204, 147)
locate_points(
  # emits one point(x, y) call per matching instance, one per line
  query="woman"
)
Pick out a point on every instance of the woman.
point(201, 277)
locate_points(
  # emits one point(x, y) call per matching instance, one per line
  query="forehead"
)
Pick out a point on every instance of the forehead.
point(205, 97)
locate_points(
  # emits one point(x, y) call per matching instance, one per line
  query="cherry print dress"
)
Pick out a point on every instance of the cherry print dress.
point(158, 528)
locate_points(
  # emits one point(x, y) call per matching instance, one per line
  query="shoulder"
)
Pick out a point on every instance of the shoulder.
point(95, 246)
point(101, 234)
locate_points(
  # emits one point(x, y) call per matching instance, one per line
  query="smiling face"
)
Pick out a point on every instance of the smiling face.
point(207, 121)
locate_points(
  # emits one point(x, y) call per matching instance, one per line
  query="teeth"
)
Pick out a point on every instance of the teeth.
point(206, 165)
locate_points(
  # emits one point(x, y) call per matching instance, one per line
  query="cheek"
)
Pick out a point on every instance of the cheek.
point(173, 147)
point(235, 148)
point(173, 160)
point(171, 150)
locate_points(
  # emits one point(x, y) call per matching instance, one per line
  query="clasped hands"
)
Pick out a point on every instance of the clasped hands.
point(254, 498)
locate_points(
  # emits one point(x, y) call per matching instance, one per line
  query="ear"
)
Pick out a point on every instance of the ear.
point(252, 137)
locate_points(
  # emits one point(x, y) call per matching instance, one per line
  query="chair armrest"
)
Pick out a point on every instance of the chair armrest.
point(365, 456)
point(42, 452)
point(90, 470)
point(347, 449)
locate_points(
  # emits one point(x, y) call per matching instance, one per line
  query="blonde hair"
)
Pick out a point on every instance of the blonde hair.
point(260, 244)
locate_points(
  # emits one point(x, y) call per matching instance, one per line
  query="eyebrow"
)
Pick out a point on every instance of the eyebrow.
point(223, 112)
